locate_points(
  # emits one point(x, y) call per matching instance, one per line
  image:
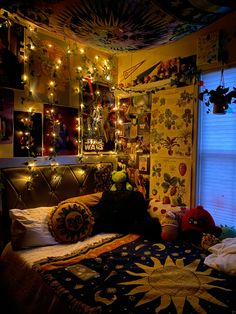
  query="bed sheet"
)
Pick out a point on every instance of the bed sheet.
point(25, 287)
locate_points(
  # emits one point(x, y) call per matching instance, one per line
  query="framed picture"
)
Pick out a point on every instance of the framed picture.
point(6, 115)
point(11, 50)
point(42, 61)
point(125, 109)
point(27, 134)
point(141, 104)
point(99, 118)
point(60, 130)
point(143, 163)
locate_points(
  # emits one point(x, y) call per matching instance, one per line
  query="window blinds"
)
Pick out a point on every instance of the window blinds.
point(216, 155)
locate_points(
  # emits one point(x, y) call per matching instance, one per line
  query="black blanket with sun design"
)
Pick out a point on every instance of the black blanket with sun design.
point(127, 274)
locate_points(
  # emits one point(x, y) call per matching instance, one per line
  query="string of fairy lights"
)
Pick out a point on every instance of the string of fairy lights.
point(64, 64)
point(72, 66)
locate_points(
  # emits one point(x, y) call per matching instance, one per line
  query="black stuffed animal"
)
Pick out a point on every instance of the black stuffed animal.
point(125, 212)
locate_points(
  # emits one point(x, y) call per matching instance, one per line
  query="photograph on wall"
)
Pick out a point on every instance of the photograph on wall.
point(11, 55)
point(48, 62)
point(141, 104)
point(144, 124)
point(6, 115)
point(99, 119)
point(125, 105)
point(27, 134)
point(143, 163)
point(60, 130)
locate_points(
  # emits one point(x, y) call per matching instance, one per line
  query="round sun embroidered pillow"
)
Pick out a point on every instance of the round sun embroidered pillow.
point(71, 222)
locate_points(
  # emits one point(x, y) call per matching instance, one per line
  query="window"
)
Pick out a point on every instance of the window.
point(216, 159)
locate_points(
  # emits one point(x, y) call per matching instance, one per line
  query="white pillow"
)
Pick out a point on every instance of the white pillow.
point(157, 209)
point(30, 227)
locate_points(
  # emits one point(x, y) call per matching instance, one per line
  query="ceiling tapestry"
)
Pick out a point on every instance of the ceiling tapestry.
point(124, 25)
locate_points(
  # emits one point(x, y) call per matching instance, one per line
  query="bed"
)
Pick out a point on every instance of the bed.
point(108, 271)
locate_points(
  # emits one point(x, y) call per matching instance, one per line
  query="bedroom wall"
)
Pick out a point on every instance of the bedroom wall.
point(181, 48)
point(128, 67)
point(207, 45)
point(44, 58)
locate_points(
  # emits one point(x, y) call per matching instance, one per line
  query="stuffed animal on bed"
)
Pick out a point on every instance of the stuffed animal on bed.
point(170, 227)
point(195, 223)
point(169, 216)
point(125, 212)
point(120, 181)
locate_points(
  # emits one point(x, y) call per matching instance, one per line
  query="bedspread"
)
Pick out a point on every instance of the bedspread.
point(128, 274)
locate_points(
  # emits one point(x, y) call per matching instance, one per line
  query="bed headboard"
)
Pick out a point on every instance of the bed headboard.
point(27, 187)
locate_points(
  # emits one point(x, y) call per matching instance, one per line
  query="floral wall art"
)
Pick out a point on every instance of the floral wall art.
point(171, 145)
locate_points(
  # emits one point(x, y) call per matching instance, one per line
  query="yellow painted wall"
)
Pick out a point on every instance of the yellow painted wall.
point(66, 82)
point(181, 48)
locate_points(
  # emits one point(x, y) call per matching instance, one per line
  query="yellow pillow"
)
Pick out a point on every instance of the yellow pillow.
point(71, 222)
point(88, 199)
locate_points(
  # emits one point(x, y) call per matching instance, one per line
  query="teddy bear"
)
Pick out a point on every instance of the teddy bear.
point(119, 179)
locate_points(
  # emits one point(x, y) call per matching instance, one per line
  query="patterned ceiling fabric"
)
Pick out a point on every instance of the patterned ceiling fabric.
point(124, 25)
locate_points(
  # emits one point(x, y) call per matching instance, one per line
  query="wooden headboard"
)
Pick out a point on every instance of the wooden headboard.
point(26, 187)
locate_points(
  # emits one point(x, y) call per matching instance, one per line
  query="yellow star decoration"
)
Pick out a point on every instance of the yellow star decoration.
point(174, 282)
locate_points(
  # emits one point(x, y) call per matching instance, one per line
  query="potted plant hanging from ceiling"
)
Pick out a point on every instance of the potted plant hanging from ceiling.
point(219, 98)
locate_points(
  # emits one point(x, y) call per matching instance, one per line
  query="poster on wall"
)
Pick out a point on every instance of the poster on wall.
point(60, 130)
point(99, 119)
point(6, 115)
point(208, 49)
point(172, 122)
point(171, 145)
point(27, 134)
point(170, 180)
point(48, 62)
point(11, 55)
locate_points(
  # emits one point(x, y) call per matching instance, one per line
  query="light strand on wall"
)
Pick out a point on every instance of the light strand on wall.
point(39, 55)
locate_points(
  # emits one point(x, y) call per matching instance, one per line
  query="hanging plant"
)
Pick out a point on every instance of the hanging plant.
point(220, 97)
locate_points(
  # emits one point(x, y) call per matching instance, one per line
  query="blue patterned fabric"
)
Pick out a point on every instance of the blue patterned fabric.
point(128, 274)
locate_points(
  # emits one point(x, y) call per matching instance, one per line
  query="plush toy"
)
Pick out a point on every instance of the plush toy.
point(208, 240)
point(169, 227)
point(119, 179)
point(195, 223)
point(227, 232)
point(169, 216)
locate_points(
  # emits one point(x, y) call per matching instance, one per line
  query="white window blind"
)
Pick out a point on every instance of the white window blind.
point(216, 165)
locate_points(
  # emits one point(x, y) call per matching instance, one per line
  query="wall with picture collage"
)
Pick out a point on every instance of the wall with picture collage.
point(140, 105)
point(157, 133)
point(170, 74)
point(156, 143)
point(58, 100)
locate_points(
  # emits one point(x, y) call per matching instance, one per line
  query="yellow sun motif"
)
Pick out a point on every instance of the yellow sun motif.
point(174, 282)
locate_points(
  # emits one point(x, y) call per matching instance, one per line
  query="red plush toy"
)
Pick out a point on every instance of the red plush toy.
point(196, 222)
